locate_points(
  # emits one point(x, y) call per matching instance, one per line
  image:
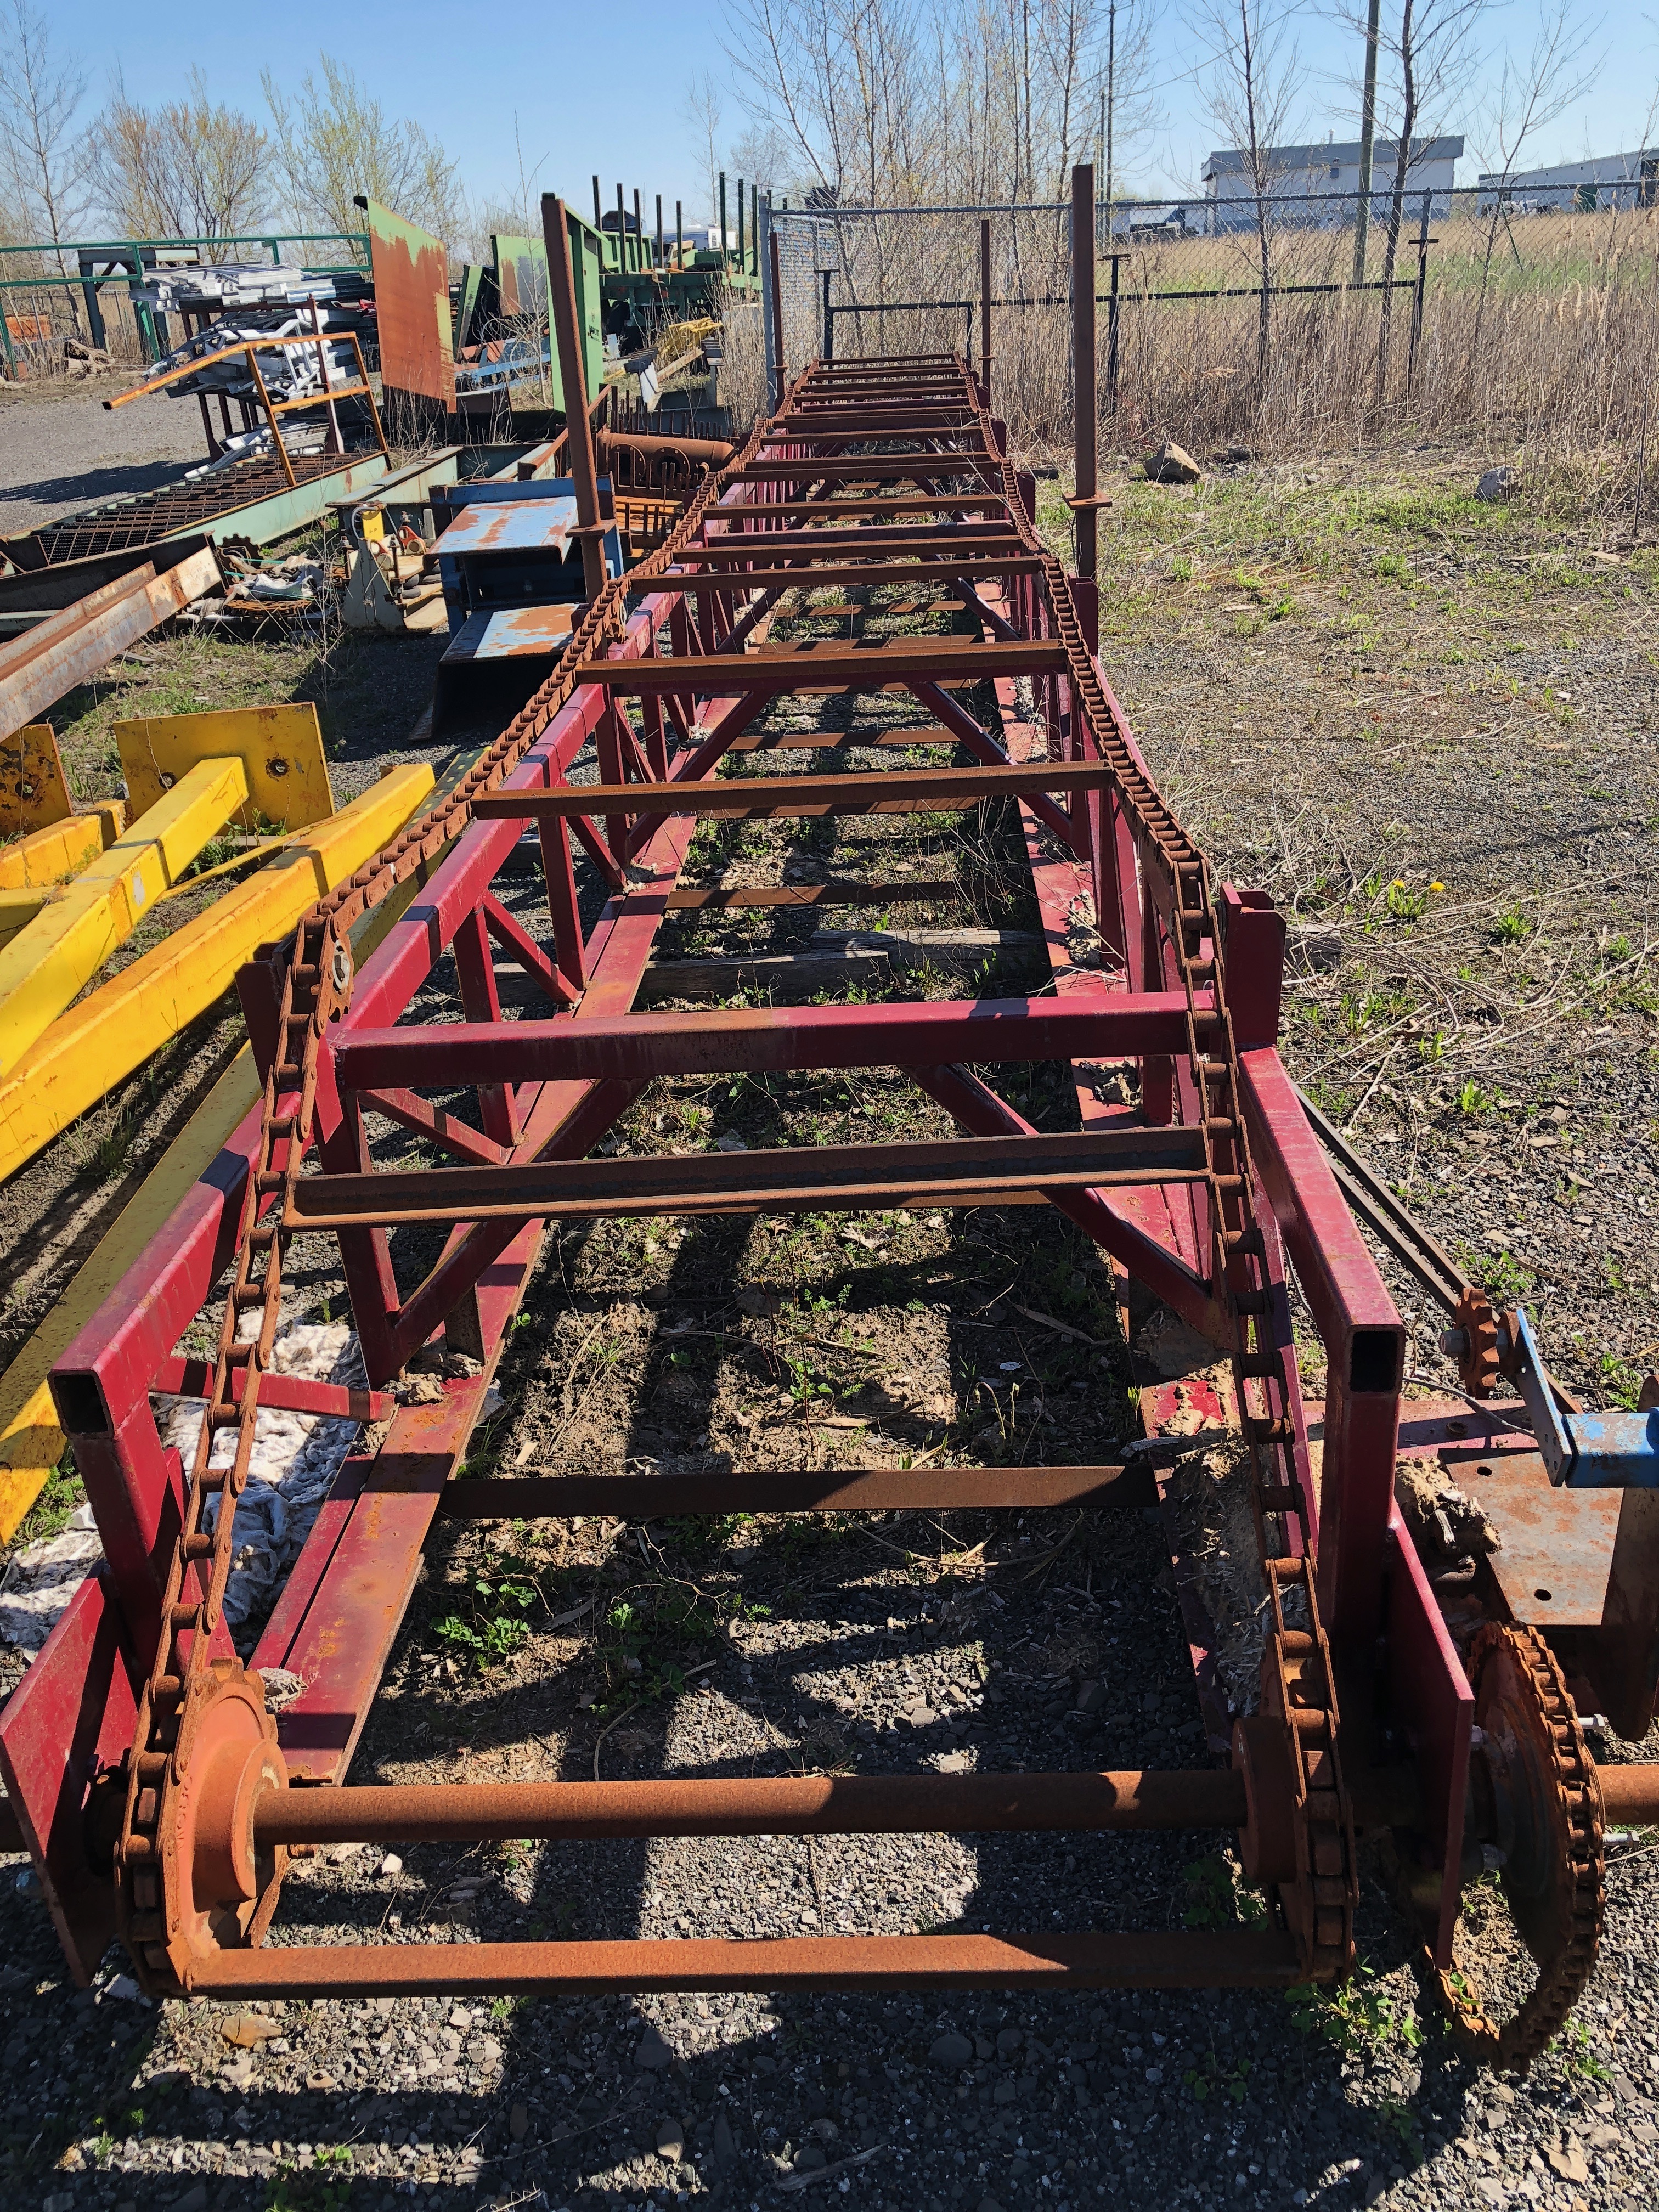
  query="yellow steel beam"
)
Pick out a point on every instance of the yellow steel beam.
point(280, 748)
point(113, 1029)
point(31, 1442)
point(48, 856)
point(57, 955)
point(34, 789)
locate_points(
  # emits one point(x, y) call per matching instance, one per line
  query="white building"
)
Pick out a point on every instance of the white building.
point(1319, 185)
point(1610, 180)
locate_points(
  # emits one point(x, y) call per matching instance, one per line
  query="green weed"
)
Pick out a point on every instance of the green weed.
point(1219, 1896)
point(1354, 2016)
point(49, 1515)
point(1506, 1281)
point(1407, 903)
point(1572, 2050)
point(1473, 1101)
point(495, 1625)
point(1510, 927)
point(1204, 2081)
point(1620, 1383)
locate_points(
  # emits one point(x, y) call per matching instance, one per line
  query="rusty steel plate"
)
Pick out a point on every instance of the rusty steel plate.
point(516, 630)
point(412, 309)
point(511, 526)
point(1557, 1544)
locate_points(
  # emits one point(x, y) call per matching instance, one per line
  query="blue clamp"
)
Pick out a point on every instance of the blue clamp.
point(1582, 1451)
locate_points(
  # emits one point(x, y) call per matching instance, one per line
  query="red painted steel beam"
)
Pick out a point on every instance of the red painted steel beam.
point(281, 1393)
point(1365, 1341)
point(881, 791)
point(872, 574)
point(1244, 1958)
point(776, 1039)
point(784, 667)
point(794, 1805)
point(990, 539)
point(982, 505)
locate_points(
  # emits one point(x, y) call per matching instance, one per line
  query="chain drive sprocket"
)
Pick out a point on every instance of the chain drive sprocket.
point(1536, 1791)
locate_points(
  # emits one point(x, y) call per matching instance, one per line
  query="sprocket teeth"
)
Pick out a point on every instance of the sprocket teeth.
point(1477, 1367)
point(1513, 2045)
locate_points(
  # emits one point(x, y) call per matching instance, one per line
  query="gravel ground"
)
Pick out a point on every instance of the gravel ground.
point(60, 451)
point(957, 1641)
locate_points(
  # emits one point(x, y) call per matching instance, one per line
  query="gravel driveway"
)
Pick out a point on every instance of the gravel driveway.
point(60, 451)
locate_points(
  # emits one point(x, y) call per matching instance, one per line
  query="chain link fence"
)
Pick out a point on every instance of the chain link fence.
point(1260, 324)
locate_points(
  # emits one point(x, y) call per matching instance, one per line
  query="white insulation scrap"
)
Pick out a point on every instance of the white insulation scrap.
point(295, 1459)
point(43, 1577)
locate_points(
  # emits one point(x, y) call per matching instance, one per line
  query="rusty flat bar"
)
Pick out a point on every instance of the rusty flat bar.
point(1083, 1026)
point(69, 647)
point(1238, 1959)
point(834, 893)
point(873, 469)
point(814, 1490)
point(784, 1179)
point(837, 741)
point(845, 573)
point(781, 667)
point(792, 1805)
point(898, 502)
point(993, 539)
point(880, 791)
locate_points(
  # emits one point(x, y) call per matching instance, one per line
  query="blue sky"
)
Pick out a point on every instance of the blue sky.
point(604, 88)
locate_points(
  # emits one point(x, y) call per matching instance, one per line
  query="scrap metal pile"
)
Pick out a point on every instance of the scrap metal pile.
point(157, 1792)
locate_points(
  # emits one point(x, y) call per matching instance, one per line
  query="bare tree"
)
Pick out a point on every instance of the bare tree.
point(45, 152)
point(1432, 58)
point(1526, 96)
point(913, 103)
point(333, 140)
point(704, 112)
point(1127, 103)
point(192, 168)
point(1253, 82)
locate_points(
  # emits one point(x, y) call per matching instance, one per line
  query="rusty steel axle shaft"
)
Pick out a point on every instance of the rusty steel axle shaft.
point(819, 1805)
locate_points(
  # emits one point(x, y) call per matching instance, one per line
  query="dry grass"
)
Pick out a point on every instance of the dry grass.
point(1538, 339)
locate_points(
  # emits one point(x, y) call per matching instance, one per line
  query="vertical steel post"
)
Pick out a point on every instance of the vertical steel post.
point(659, 230)
point(754, 231)
point(578, 430)
point(1113, 312)
point(639, 232)
point(680, 235)
point(1085, 437)
point(598, 212)
point(742, 255)
point(1362, 212)
point(829, 321)
point(985, 306)
point(1417, 291)
point(768, 287)
point(723, 261)
point(777, 314)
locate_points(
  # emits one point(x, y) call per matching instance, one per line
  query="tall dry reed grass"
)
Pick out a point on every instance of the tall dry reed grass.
point(1539, 337)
